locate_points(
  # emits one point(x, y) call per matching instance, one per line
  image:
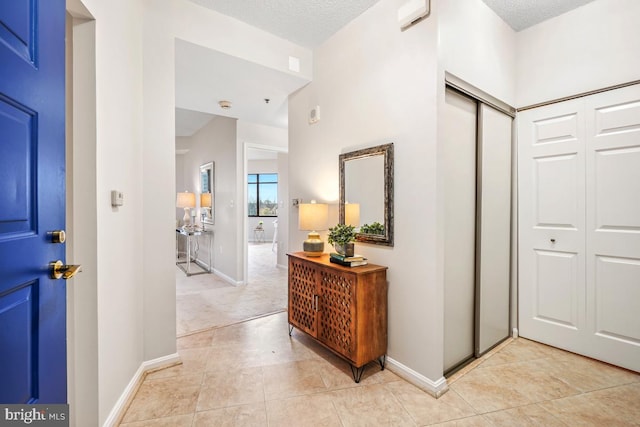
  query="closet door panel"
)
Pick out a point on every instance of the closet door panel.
point(613, 226)
point(494, 225)
point(551, 197)
point(460, 229)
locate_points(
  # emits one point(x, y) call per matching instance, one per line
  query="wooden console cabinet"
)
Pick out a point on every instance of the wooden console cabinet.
point(343, 308)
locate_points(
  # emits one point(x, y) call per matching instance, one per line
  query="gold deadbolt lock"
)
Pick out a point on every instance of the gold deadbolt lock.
point(57, 236)
point(62, 271)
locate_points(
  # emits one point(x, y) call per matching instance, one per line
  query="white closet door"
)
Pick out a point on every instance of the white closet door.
point(460, 231)
point(494, 228)
point(613, 226)
point(551, 196)
point(579, 225)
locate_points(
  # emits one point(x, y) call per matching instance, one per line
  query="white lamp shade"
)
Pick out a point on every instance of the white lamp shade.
point(186, 200)
point(352, 214)
point(313, 216)
point(205, 200)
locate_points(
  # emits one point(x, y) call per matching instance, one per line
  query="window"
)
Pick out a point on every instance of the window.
point(262, 194)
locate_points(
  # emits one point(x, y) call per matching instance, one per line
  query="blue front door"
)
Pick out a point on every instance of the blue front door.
point(32, 201)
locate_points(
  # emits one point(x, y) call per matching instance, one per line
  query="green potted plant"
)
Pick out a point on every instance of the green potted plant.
point(342, 237)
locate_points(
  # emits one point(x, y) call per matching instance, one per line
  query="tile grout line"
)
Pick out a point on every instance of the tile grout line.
point(264, 396)
point(415, 421)
point(550, 413)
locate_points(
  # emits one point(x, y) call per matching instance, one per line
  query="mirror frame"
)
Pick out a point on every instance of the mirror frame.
point(385, 150)
point(212, 181)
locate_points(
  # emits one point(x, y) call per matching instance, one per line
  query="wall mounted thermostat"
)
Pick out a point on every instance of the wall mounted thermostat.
point(117, 198)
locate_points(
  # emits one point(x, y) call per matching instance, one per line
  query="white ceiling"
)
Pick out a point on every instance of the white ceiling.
point(307, 23)
point(189, 122)
point(522, 14)
point(204, 77)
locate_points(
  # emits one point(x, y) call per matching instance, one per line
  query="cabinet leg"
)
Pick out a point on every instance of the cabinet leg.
point(290, 329)
point(382, 360)
point(357, 372)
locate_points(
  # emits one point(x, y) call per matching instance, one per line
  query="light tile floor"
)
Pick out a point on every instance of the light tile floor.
point(254, 374)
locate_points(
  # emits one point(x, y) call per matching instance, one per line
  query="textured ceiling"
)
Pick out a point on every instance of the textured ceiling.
point(522, 14)
point(307, 23)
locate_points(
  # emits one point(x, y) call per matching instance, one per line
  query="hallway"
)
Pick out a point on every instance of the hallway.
point(205, 301)
point(254, 374)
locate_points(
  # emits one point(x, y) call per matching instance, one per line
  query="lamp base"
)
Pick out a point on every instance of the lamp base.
point(186, 219)
point(313, 246)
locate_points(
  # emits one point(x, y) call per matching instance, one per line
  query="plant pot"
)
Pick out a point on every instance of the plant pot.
point(346, 249)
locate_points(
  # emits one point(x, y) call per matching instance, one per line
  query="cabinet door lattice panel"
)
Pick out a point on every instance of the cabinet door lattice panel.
point(302, 291)
point(337, 311)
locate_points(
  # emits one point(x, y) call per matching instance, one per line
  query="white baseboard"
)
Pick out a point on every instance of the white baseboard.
point(514, 334)
point(117, 412)
point(218, 273)
point(434, 388)
point(227, 278)
point(284, 267)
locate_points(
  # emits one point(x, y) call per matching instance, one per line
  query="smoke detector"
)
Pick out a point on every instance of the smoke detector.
point(225, 105)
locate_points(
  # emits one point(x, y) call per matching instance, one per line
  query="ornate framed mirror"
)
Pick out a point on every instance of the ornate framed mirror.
point(207, 192)
point(366, 193)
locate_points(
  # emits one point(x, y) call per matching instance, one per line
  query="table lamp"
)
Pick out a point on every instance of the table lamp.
point(187, 201)
point(313, 217)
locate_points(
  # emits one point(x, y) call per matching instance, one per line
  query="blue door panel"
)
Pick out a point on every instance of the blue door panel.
point(19, 346)
point(32, 195)
point(17, 27)
point(16, 156)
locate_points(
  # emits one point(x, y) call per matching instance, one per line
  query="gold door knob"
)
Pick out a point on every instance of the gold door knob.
point(62, 271)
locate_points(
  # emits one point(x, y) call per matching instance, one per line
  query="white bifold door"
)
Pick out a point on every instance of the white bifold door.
point(477, 158)
point(579, 225)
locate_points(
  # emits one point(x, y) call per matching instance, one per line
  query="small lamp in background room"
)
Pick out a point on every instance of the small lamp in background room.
point(313, 217)
point(187, 201)
point(205, 205)
point(352, 214)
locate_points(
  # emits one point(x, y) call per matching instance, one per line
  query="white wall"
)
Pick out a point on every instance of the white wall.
point(478, 46)
point(592, 47)
point(283, 210)
point(158, 177)
point(262, 135)
point(377, 84)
